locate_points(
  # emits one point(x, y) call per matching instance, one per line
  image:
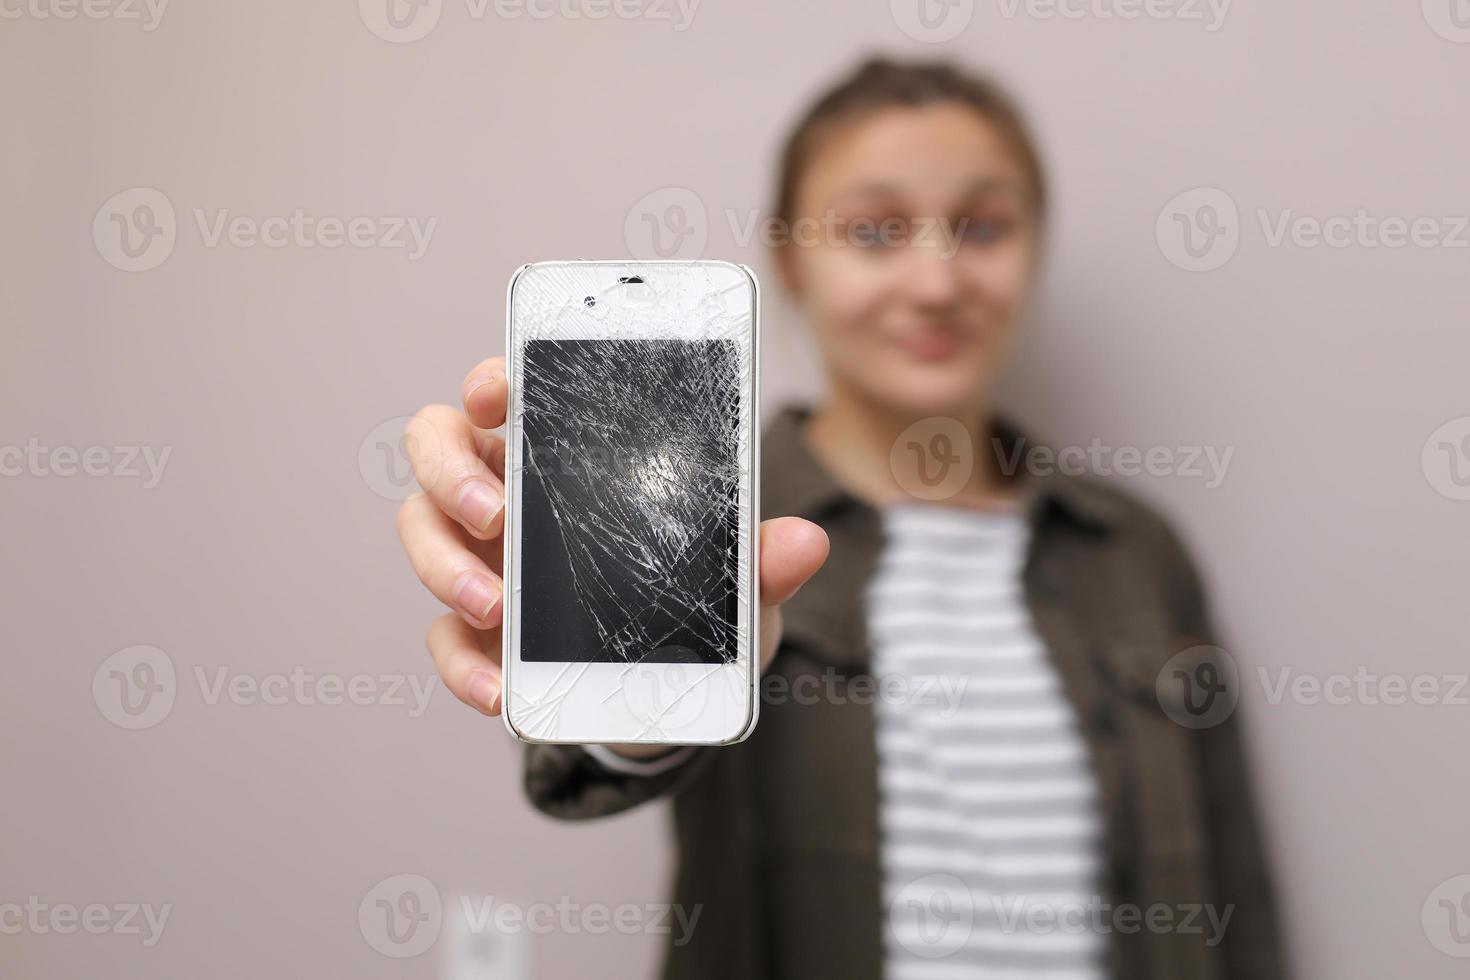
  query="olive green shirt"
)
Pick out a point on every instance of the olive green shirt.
point(778, 836)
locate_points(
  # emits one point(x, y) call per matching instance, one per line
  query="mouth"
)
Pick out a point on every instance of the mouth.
point(931, 343)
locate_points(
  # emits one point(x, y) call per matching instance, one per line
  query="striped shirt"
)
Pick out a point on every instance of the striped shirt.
point(988, 803)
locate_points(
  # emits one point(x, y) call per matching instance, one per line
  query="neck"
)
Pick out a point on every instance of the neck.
point(854, 439)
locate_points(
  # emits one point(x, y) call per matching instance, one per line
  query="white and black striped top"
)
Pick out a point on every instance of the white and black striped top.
point(988, 803)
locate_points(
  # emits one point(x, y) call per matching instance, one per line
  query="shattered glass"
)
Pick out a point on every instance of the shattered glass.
point(635, 421)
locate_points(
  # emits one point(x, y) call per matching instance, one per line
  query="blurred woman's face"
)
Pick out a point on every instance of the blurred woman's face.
point(912, 252)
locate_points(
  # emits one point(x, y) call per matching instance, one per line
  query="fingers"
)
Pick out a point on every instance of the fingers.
point(461, 468)
point(446, 566)
point(484, 393)
point(468, 661)
point(448, 456)
point(791, 552)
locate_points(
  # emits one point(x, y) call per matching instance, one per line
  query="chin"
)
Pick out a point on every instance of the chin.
point(947, 388)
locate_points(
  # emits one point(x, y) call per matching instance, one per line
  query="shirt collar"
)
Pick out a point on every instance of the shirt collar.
point(793, 482)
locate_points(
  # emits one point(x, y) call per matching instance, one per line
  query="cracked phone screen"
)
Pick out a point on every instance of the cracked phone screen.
point(629, 501)
point(635, 504)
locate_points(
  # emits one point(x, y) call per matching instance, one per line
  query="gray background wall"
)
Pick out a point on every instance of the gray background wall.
point(1337, 541)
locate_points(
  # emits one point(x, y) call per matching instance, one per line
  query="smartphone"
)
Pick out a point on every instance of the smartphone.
point(632, 456)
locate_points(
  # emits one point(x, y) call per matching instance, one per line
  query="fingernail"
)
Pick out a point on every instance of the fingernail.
point(478, 504)
point(484, 690)
point(478, 596)
point(475, 384)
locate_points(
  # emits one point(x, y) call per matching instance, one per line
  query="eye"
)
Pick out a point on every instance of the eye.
point(876, 234)
point(986, 229)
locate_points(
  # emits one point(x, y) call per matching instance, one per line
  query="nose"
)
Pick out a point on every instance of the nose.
point(932, 277)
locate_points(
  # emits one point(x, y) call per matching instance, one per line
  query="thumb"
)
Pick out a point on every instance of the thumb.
point(791, 551)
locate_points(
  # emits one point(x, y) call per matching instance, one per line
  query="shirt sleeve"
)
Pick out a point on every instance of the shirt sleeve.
point(1253, 946)
point(575, 782)
point(616, 762)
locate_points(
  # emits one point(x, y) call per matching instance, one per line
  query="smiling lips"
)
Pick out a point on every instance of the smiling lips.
point(931, 344)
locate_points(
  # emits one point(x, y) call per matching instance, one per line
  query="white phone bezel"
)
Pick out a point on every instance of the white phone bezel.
point(601, 703)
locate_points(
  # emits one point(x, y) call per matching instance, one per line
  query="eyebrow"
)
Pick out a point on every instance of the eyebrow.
point(975, 188)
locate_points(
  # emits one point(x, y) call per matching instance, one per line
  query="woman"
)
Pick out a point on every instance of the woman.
point(983, 780)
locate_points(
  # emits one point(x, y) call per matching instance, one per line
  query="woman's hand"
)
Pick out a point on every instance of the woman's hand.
point(452, 533)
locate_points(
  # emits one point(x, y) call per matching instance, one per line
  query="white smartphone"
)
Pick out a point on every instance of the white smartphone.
point(632, 456)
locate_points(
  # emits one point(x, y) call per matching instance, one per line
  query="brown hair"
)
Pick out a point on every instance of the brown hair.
point(882, 84)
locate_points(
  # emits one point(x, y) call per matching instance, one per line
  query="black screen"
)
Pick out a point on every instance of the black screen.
point(629, 501)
